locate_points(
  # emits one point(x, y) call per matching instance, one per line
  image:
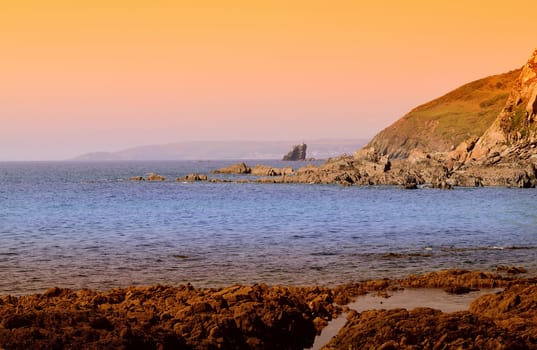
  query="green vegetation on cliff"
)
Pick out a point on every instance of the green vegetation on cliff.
point(441, 124)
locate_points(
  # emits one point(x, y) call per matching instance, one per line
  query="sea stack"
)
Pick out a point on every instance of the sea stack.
point(297, 153)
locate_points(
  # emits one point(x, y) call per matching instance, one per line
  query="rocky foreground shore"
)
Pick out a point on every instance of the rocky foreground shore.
point(263, 317)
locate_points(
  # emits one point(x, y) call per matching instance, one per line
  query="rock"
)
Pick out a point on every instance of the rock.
point(514, 126)
point(452, 279)
point(239, 168)
point(514, 270)
point(410, 183)
point(155, 177)
point(161, 317)
point(423, 328)
point(460, 290)
point(416, 156)
point(442, 183)
point(265, 170)
point(193, 178)
point(387, 164)
point(137, 178)
point(101, 323)
point(297, 153)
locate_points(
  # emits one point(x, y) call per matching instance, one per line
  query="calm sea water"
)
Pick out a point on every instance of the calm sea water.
point(81, 225)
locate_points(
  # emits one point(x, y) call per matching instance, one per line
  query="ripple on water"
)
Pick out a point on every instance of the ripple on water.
point(59, 219)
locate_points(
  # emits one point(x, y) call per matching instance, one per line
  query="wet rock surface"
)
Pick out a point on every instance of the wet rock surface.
point(263, 317)
point(503, 320)
point(239, 317)
point(423, 328)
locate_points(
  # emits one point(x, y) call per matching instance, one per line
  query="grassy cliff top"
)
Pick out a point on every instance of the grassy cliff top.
point(441, 124)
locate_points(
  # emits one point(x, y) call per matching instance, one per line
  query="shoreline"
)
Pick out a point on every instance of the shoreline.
point(244, 317)
point(368, 168)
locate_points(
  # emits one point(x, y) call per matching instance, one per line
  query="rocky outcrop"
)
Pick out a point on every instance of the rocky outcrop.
point(502, 320)
point(365, 170)
point(238, 317)
point(150, 177)
point(419, 171)
point(297, 153)
point(423, 328)
point(263, 317)
point(193, 178)
point(239, 168)
point(515, 129)
point(155, 177)
point(264, 170)
point(442, 124)
point(451, 279)
point(513, 310)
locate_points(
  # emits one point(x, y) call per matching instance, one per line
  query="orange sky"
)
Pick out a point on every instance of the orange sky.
point(81, 76)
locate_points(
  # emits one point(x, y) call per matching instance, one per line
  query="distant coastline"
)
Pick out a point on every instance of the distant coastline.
point(226, 150)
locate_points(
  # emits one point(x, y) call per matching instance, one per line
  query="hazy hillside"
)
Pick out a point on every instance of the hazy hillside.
point(205, 150)
point(440, 125)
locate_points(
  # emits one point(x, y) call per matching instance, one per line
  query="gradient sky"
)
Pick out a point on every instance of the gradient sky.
point(82, 76)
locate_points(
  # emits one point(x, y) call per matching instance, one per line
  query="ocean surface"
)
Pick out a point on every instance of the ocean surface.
point(83, 225)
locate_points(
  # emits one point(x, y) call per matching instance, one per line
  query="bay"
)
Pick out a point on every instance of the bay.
point(83, 225)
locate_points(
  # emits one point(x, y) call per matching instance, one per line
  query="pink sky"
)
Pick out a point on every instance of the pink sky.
point(108, 75)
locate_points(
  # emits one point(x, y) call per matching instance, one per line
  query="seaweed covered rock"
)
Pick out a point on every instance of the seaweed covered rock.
point(161, 317)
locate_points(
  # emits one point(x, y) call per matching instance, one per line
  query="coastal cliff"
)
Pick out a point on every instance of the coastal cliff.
point(442, 124)
point(498, 151)
point(513, 134)
point(486, 122)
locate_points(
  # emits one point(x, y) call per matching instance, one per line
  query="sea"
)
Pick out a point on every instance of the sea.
point(85, 225)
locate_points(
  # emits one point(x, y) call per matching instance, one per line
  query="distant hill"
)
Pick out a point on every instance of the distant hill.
point(206, 150)
point(442, 124)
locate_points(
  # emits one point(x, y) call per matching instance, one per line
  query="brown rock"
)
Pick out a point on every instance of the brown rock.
point(265, 170)
point(155, 177)
point(515, 270)
point(422, 328)
point(410, 183)
point(239, 168)
point(183, 317)
point(193, 178)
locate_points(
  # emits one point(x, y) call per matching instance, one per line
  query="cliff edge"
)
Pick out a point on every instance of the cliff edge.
point(513, 134)
point(442, 124)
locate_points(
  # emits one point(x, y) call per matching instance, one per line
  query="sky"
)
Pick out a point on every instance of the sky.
point(83, 76)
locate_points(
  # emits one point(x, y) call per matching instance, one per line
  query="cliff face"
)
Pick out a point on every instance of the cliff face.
point(297, 153)
point(513, 134)
point(442, 124)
